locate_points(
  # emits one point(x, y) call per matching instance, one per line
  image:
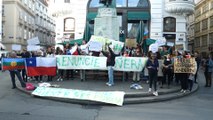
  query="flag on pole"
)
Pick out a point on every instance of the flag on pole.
point(146, 32)
point(13, 63)
point(37, 66)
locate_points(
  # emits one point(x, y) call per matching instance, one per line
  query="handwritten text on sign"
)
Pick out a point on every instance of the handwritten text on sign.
point(184, 65)
point(112, 97)
point(80, 62)
point(99, 63)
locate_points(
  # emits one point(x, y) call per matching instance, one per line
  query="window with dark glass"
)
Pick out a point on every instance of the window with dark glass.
point(204, 40)
point(197, 27)
point(197, 42)
point(169, 24)
point(132, 27)
point(211, 21)
point(205, 24)
point(69, 24)
point(211, 38)
point(138, 3)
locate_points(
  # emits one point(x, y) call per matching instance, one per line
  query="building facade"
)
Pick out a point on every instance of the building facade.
point(203, 27)
point(70, 17)
point(161, 18)
point(25, 19)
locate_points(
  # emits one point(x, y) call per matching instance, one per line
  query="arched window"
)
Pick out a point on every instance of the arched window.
point(69, 24)
point(169, 24)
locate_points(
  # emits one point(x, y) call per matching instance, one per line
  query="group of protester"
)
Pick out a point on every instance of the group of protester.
point(185, 79)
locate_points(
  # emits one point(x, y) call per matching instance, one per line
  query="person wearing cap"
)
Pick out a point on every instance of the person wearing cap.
point(152, 66)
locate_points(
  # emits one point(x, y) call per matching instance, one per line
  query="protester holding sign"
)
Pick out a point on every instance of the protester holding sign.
point(15, 72)
point(110, 63)
point(152, 66)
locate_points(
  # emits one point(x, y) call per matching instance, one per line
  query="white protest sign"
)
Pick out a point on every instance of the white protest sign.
point(116, 45)
point(16, 47)
point(171, 44)
point(81, 62)
point(153, 48)
point(130, 63)
point(99, 63)
point(95, 46)
point(84, 48)
point(111, 97)
point(160, 42)
point(33, 41)
point(33, 48)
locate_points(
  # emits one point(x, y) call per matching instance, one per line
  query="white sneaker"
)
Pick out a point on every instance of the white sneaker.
point(155, 93)
point(150, 90)
point(181, 90)
point(108, 84)
point(61, 79)
point(58, 79)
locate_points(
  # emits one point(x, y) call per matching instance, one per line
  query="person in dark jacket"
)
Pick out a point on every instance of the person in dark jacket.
point(14, 73)
point(110, 63)
point(152, 66)
point(24, 54)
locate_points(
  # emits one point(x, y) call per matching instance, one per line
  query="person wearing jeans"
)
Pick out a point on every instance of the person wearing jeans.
point(17, 73)
point(110, 63)
point(152, 66)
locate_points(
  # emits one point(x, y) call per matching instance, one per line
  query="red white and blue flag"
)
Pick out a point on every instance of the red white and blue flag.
point(37, 66)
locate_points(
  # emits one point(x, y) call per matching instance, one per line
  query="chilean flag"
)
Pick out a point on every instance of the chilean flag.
point(37, 66)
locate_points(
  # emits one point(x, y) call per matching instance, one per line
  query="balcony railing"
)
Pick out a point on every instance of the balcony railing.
point(180, 6)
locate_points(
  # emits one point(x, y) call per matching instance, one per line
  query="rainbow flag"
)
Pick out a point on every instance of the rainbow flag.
point(13, 63)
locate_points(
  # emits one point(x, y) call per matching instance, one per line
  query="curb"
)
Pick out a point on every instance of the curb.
point(129, 98)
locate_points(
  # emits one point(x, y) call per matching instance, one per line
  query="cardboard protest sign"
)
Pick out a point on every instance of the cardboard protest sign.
point(185, 65)
point(131, 43)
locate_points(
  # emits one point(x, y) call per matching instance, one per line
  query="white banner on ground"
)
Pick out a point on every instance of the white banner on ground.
point(33, 47)
point(16, 47)
point(33, 41)
point(112, 97)
point(99, 63)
